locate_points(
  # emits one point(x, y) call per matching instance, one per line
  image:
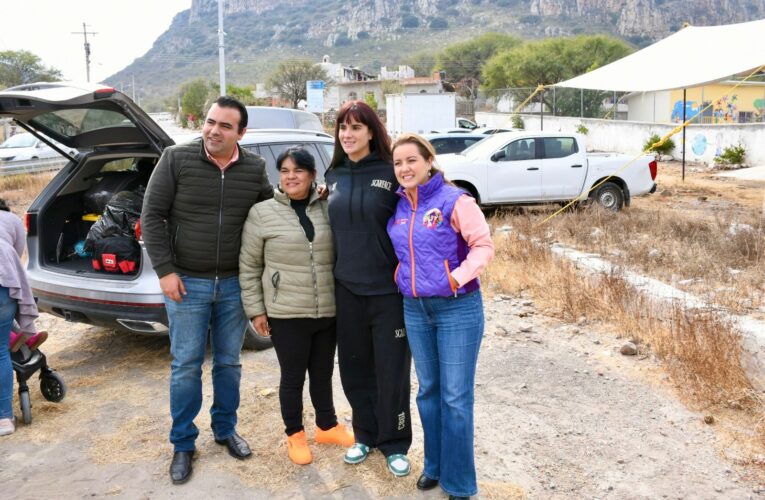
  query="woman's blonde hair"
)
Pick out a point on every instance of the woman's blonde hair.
point(425, 149)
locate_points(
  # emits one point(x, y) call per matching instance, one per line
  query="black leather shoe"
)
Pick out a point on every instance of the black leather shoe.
point(425, 483)
point(180, 467)
point(237, 447)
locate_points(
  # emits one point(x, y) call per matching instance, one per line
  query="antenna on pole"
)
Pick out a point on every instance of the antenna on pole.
point(85, 34)
point(221, 50)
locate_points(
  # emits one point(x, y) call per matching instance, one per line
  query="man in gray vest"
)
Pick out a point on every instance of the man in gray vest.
point(195, 206)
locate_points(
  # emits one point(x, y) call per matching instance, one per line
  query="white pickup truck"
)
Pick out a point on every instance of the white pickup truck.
point(540, 167)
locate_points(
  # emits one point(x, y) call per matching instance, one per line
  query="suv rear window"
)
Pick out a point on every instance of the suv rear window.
point(73, 122)
point(270, 152)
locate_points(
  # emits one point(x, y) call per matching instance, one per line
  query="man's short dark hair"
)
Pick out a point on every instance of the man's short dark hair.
point(225, 101)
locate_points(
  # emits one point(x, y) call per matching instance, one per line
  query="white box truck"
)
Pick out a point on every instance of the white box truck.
point(419, 113)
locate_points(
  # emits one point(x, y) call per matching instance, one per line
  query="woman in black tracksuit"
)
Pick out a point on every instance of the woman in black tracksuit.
point(372, 347)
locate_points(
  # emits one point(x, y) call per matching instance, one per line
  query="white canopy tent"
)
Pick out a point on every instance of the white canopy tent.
point(691, 57)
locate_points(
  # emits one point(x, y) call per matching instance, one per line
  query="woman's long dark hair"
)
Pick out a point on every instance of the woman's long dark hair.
point(361, 112)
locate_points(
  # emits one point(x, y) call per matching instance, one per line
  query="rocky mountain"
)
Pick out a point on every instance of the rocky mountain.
point(371, 33)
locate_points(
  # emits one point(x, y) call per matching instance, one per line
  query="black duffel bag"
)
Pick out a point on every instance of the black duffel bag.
point(116, 254)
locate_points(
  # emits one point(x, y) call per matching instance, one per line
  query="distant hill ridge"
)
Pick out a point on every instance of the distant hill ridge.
point(371, 33)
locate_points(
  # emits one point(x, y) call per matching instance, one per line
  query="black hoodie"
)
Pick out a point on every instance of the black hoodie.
point(362, 197)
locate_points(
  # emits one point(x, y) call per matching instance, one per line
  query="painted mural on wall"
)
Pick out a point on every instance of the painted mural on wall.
point(691, 110)
point(699, 144)
point(724, 110)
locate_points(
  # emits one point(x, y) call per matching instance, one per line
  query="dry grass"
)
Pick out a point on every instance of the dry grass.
point(713, 248)
point(700, 349)
point(20, 190)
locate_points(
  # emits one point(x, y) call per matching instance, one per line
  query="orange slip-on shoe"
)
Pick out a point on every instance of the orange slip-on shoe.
point(298, 450)
point(336, 435)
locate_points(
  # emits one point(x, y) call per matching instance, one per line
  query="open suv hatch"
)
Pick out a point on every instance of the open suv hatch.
point(119, 145)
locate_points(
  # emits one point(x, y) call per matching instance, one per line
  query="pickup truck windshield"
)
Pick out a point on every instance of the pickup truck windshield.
point(488, 145)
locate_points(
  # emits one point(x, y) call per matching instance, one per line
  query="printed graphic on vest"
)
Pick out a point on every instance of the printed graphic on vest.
point(381, 183)
point(433, 218)
point(400, 222)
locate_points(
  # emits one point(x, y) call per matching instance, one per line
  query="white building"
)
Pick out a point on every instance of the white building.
point(401, 73)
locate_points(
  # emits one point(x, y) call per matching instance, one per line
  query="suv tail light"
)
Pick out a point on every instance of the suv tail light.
point(653, 167)
point(30, 224)
point(138, 235)
point(104, 93)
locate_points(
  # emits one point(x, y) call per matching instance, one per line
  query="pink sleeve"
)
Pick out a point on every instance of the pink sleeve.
point(468, 220)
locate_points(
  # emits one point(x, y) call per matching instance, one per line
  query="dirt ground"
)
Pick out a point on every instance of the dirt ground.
point(560, 413)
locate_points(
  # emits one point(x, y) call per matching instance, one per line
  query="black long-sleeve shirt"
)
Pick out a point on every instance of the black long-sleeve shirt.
point(362, 197)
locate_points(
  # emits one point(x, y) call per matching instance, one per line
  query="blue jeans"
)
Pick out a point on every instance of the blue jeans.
point(445, 334)
point(7, 313)
point(216, 304)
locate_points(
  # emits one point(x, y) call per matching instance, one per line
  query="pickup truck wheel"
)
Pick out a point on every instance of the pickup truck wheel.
point(470, 189)
point(609, 196)
point(253, 341)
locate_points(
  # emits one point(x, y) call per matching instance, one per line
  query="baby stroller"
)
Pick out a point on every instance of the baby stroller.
point(25, 363)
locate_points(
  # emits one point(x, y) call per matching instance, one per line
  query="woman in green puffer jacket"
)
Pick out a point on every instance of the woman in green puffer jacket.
point(285, 272)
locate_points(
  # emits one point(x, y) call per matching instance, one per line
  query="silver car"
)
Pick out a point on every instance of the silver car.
point(26, 147)
point(119, 145)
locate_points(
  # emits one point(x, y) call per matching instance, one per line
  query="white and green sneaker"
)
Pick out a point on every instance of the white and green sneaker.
point(356, 453)
point(398, 465)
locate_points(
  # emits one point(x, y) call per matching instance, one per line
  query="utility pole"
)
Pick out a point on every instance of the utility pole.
point(85, 34)
point(133, 87)
point(221, 50)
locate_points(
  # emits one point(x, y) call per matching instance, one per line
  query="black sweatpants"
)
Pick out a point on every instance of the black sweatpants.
point(375, 361)
point(305, 344)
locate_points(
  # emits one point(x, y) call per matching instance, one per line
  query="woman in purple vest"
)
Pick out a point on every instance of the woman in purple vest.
point(442, 243)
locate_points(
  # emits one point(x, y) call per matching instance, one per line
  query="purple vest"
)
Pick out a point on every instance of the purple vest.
point(427, 246)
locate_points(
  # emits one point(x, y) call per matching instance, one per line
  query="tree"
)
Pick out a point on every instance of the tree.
point(421, 62)
point(391, 87)
point(245, 95)
point(554, 60)
point(463, 61)
point(369, 98)
point(196, 95)
point(22, 66)
point(289, 79)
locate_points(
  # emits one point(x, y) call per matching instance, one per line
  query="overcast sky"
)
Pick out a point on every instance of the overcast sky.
point(126, 30)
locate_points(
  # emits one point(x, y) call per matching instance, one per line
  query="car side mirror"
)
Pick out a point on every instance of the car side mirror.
point(498, 155)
